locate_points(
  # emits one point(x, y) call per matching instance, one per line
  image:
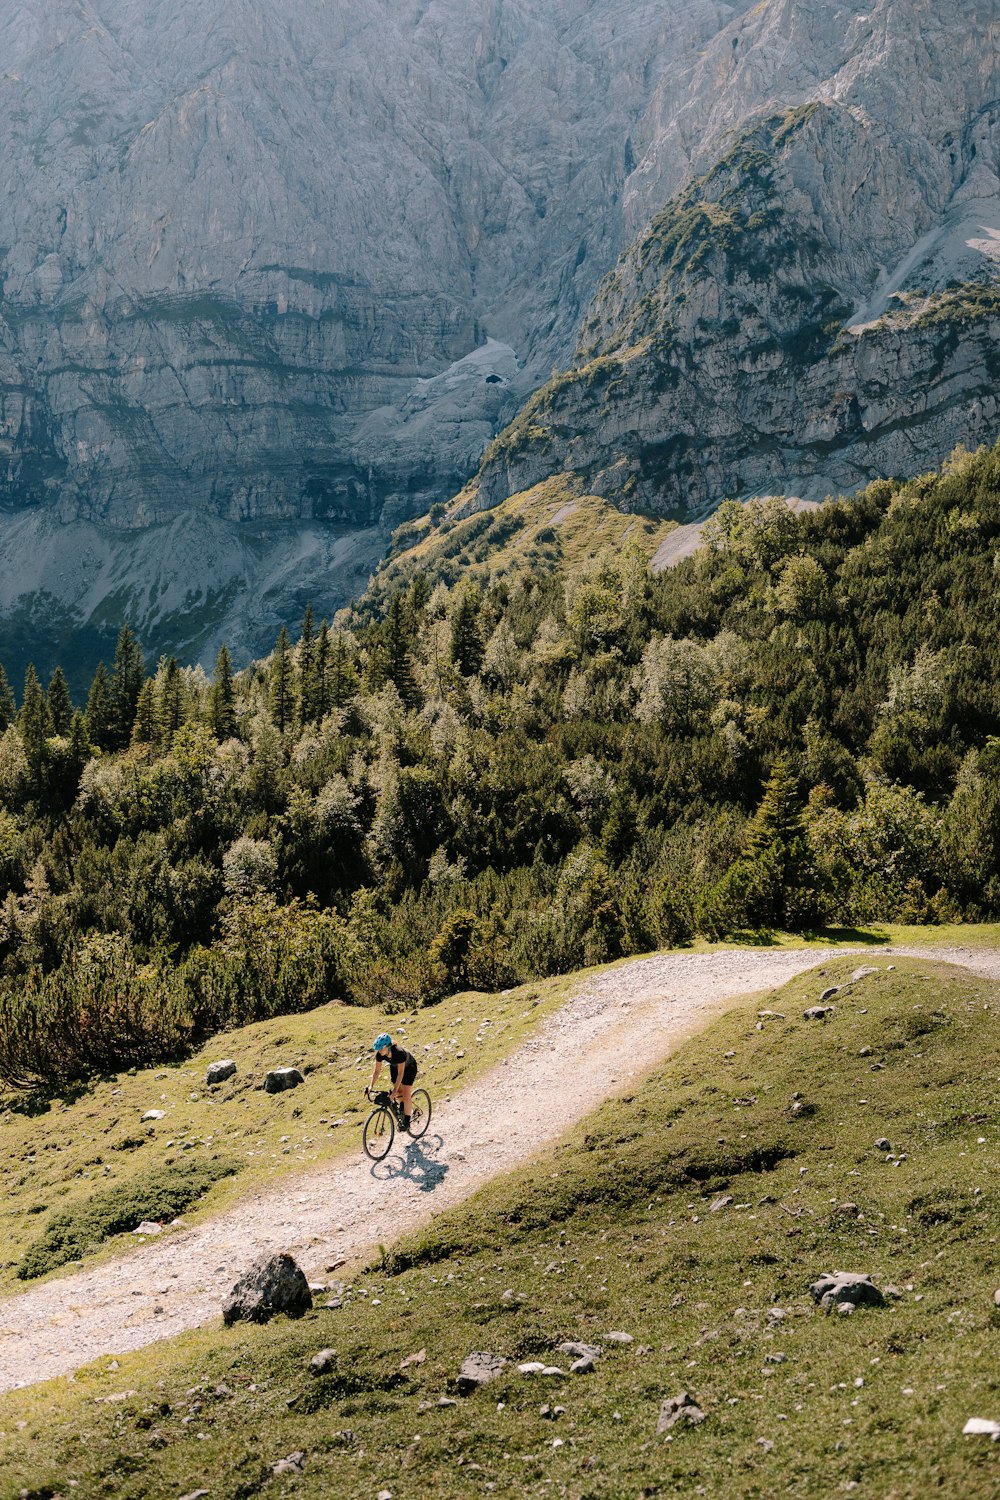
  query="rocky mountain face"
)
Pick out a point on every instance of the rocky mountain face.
point(277, 273)
point(294, 261)
point(817, 306)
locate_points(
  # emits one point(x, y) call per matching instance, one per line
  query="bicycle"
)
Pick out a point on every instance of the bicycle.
point(387, 1117)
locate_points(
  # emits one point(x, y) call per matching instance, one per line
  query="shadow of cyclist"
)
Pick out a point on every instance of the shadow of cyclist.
point(415, 1165)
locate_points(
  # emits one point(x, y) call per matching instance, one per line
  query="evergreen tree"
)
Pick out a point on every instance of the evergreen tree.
point(282, 694)
point(144, 730)
point(343, 682)
point(127, 675)
point(222, 698)
point(169, 700)
point(466, 641)
point(322, 688)
point(99, 728)
point(307, 669)
point(60, 703)
point(35, 726)
point(397, 639)
point(8, 708)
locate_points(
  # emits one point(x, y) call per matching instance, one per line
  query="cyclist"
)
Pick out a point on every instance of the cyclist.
point(402, 1070)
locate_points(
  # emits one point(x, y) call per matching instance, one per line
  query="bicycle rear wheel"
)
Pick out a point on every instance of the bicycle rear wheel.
point(420, 1113)
point(378, 1133)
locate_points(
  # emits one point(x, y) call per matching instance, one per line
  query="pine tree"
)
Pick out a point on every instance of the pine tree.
point(8, 708)
point(343, 677)
point(466, 641)
point(144, 730)
point(169, 700)
point(282, 695)
point(307, 669)
point(222, 698)
point(35, 726)
point(127, 675)
point(60, 703)
point(778, 846)
point(322, 689)
point(99, 729)
point(397, 635)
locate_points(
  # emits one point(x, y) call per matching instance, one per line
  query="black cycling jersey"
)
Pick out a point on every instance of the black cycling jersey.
point(402, 1061)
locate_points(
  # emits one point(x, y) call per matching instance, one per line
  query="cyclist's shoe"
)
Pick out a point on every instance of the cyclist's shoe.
point(404, 1123)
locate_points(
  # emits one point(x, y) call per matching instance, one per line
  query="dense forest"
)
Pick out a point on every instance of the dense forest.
point(467, 782)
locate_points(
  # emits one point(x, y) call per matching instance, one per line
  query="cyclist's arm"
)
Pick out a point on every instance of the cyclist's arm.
point(378, 1069)
point(396, 1070)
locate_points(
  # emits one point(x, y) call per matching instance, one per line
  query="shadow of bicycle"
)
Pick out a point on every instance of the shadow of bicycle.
point(415, 1165)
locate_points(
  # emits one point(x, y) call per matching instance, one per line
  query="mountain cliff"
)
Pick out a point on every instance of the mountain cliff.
point(820, 306)
point(291, 266)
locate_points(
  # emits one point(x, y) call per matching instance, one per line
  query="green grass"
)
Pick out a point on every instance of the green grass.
point(55, 1161)
point(614, 1228)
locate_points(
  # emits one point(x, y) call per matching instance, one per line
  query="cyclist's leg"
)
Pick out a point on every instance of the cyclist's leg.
point(404, 1089)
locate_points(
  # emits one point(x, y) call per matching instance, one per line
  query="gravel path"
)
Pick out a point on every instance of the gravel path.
point(344, 1209)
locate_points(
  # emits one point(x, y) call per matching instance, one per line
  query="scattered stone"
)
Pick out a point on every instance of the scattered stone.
point(414, 1359)
point(801, 1107)
point(323, 1362)
point(148, 1227)
point(535, 1367)
point(847, 1309)
point(846, 1287)
point(192, 1494)
point(770, 1015)
point(765, 1443)
point(154, 1114)
point(293, 1464)
point(996, 1297)
point(478, 1369)
point(682, 1408)
point(218, 1072)
point(447, 1401)
point(982, 1426)
point(894, 1292)
point(723, 1201)
point(847, 1211)
point(620, 1338)
point(882, 1144)
point(862, 973)
point(829, 994)
point(281, 1079)
point(818, 1012)
point(580, 1351)
point(273, 1284)
point(582, 1366)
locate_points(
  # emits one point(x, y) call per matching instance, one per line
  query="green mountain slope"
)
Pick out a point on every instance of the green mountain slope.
point(693, 1216)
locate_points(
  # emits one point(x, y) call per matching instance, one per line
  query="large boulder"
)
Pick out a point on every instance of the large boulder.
point(273, 1284)
point(282, 1078)
point(218, 1072)
point(838, 1287)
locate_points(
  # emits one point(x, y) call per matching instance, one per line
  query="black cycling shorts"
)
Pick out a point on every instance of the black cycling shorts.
point(409, 1072)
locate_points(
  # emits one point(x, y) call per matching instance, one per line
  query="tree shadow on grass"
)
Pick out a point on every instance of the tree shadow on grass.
point(835, 935)
point(416, 1166)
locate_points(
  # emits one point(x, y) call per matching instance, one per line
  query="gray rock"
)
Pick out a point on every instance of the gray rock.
point(580, 1351)
point(153, 1114)
point(883, 1144)
point(293, 1464)
point(851, 1287)
point(723, 1201)
point(323, 1362)
point(846, 1211)
point(817, 1012)
point(282, 1078)
point(863, 972)
point(218, 1072)
point(273, 1284)
point(996, 1297)
point(828, 994)
point(149, 1226)
point(982, 1427)
point(478, 1369)
point(582, 1366)
point(536, 1367)
point(677, 1409)
point(617, 1337)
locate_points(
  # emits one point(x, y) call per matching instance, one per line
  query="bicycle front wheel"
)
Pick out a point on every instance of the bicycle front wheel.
point(378, 1133)
point(420, 1113)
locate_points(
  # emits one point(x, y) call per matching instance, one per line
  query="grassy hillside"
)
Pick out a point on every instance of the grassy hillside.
point(73, 1153)
point(626, 1226)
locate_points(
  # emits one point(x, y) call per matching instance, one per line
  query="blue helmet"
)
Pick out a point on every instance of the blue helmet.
point(385, 1040)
